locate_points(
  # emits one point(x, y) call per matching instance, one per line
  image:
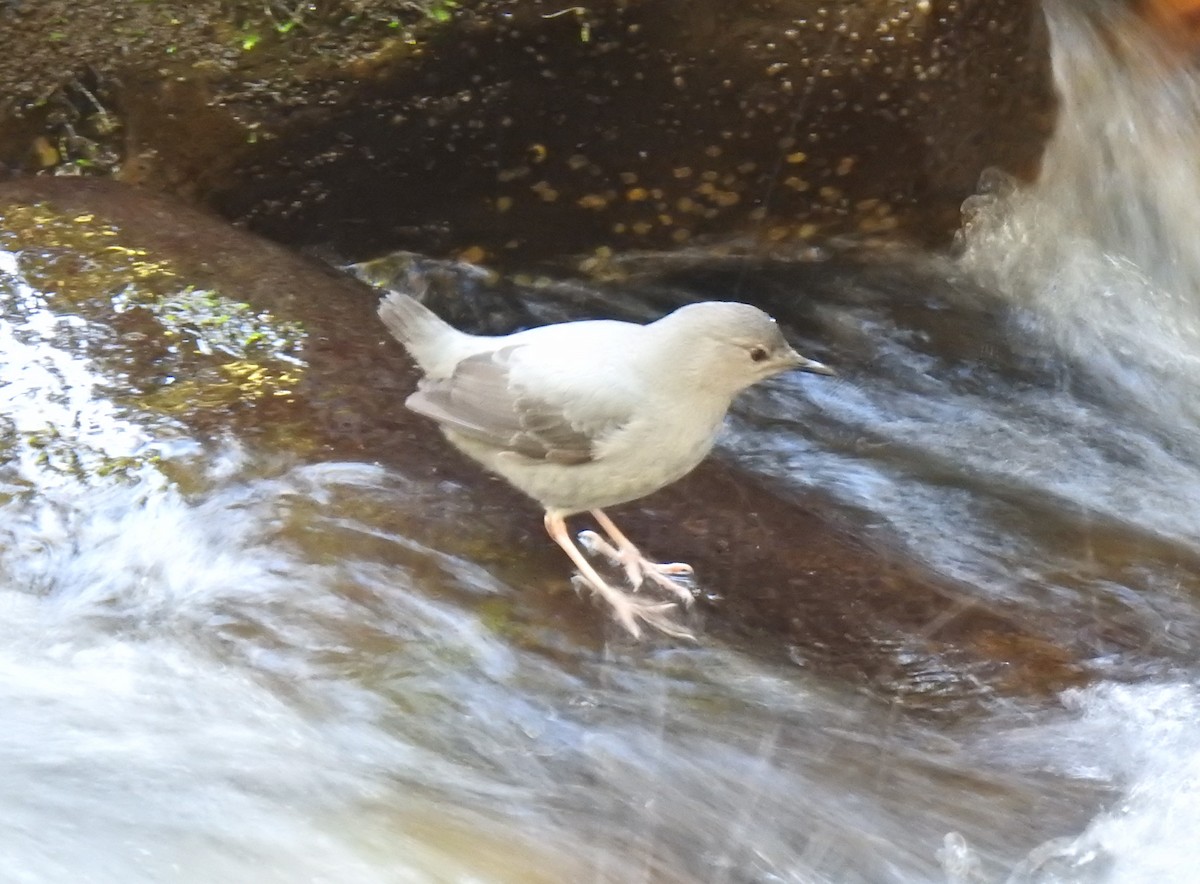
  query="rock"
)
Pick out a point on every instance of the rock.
point(1177, 21)
point(502, 130)
point(305, 373)
point(525, 133)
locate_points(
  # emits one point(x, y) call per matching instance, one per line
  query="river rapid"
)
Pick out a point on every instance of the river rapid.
point(221, 661)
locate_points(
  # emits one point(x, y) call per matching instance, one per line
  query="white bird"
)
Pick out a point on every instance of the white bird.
point(586, 415)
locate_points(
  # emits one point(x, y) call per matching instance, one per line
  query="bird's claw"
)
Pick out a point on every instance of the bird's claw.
point(662, 575)
point(638, 568)
point(629, 610)
point(594, 543)
point(677, 569)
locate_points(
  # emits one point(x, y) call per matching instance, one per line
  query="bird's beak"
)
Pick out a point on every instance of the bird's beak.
point(802, 363)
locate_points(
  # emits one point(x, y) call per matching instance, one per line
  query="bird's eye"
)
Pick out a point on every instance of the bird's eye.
point(758, 354)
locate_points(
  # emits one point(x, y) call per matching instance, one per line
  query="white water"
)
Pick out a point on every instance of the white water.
point(1070, 485)
point(1103, 254)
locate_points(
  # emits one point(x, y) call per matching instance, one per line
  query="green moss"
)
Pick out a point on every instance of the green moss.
point(177, 348)
point(214, 323)
point(496, 614)
point(440, 10)
point(64, 454)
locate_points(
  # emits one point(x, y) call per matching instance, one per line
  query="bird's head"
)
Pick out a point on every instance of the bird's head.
point(731, 345)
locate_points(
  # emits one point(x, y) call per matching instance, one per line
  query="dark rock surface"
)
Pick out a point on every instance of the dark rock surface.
point(787, 577)
point(525, 129)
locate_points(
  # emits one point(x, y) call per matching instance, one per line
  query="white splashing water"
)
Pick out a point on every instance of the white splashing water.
point(153, 645)
point(1143, 738)
point(1103, 249)
point(1103, 254)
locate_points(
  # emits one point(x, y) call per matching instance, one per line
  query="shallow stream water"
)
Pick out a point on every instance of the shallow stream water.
point(221, 663)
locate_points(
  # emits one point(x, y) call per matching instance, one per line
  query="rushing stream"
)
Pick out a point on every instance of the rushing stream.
point(224, 663)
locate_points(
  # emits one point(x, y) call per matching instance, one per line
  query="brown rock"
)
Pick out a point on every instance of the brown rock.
point(785, 579)
point(520, 128)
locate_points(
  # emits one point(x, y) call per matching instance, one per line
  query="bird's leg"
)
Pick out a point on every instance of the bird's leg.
point(637, 566)
point(628, 610)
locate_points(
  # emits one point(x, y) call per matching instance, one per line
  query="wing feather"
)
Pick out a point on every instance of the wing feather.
point(481, 401)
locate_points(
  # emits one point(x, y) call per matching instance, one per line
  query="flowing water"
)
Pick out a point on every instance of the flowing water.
point(218, 664)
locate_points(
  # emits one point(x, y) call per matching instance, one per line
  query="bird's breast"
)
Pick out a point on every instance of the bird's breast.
point(665, 441)
point(661, 443)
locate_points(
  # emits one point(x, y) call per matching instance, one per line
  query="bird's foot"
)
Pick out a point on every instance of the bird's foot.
point(629, 610)
point(638, 568)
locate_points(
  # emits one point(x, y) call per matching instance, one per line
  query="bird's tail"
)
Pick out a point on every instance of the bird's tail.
point(425, 335)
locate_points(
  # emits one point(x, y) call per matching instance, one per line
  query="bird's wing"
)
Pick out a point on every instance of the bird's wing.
point(482, 401)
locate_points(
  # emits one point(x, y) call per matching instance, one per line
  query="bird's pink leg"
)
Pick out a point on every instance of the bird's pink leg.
point(628, 610)
point(637, 566)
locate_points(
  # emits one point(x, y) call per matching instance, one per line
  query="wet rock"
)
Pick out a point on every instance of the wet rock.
point(1177, 21)
point(512, 129)
point(784, 576)
point(177, 94)
point(529, 132)
point(212, 326)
